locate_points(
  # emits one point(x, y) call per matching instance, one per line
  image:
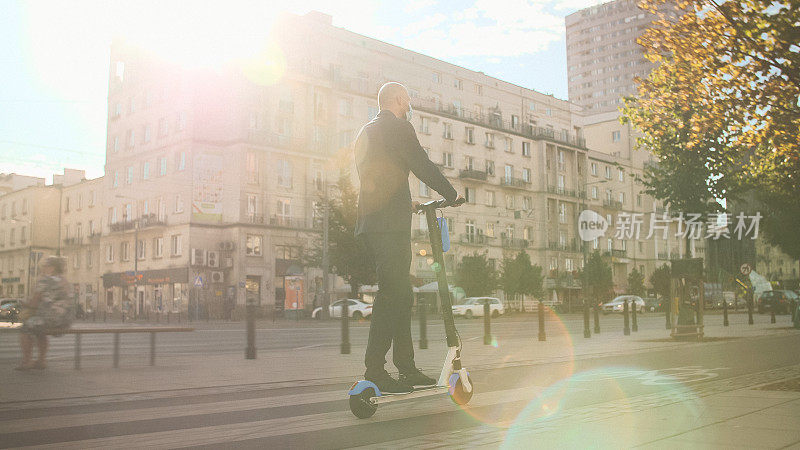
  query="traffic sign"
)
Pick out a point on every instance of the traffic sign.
point(198, 281)
point(745, 269)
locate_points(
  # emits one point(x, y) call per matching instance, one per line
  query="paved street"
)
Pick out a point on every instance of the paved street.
point(609, 391)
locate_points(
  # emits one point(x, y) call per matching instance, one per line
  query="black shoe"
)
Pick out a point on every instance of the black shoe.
point(388, 385)
point(417, 378)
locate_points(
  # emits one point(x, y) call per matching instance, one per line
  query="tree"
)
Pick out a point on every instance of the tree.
point(660, 279)
point(519, 276)
point(636, 282)
point(476, 275)
point(722, 104)
point(347, 257)
point(596, 278)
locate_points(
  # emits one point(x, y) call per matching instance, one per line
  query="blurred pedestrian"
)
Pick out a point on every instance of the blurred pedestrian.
point(50, 309)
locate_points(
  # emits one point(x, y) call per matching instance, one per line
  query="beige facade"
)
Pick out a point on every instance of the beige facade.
point(10, 182)
point(28, 231)
point(603, 57)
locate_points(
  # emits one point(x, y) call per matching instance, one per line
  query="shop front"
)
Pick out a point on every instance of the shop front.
point(146, 293)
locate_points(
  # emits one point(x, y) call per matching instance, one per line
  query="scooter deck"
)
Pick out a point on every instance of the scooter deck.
point(418, 392)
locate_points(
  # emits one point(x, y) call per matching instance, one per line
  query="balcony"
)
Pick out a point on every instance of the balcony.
point(474, 239)
point(291, 222)
point(255, 218)
point(617, 253)
point(70, 241)
point(614, 204)
point(122, 226)
point(472, 174)
point(663, 256)
point(565, 247)
point(558, 190)
point(514, 243)
point(152, 220)
point(515, 183)
point(495, 121)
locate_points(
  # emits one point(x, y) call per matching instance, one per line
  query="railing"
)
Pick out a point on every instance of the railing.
point(72, 241)
point(152, 220)
point(617, 253)
point(514, 243)
point(494, 120)
point(567, 192)
point(612, 204)
point(122, 226)
point(663, 255)
point(474, 239)
point(472, 174)
point(514, 183)
point(255, 218)
point(567, 246)
point(290, 222)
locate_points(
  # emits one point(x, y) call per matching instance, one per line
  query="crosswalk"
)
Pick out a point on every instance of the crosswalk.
point(309, 414)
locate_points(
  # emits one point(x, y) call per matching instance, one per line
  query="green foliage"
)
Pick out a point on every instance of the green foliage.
point(596, 278)
point(476, 275)
point(636, 282)
point(347, 257)
point(660, 280)
point(519, 276)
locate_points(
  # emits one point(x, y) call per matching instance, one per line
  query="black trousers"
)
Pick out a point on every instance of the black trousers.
point(391, 311)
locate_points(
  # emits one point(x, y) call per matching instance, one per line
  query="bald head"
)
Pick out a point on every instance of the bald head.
point(394, 97)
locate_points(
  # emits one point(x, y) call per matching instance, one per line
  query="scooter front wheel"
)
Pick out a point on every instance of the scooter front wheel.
point(360, 404)
point(459, 395)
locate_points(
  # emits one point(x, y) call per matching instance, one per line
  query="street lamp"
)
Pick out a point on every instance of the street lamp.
point(135, 253)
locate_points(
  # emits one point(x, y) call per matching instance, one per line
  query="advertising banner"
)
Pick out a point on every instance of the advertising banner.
point(293, 286)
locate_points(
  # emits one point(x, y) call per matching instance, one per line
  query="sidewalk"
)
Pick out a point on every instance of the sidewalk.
point(324, 365)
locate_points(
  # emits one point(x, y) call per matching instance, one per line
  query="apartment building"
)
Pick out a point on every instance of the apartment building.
point(10, 182)
point(28, 231)
point(603, 57)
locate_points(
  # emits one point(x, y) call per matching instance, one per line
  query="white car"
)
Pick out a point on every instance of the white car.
point(473, 307)
point(618, 304)
point(356, 309)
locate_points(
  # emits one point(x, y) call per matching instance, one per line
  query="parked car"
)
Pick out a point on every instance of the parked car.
point(618, 304)
point(778, 300)
point(473, 307)
point(9, 310)
point(652, 304)
point(356, 309)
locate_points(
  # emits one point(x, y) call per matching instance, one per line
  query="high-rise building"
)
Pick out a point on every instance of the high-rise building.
point(602, 54)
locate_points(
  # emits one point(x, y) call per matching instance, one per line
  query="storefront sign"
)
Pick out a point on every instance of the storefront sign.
point(145, 277)
point(11, 280)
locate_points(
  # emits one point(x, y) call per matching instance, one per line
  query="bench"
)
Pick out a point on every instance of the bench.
point(78, 332)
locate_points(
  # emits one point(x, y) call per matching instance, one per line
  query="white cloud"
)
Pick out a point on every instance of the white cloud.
point(411, 6)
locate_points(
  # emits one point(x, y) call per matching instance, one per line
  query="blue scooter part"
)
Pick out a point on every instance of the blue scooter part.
point(360, 386)
point(453, 381)
point(445, 234)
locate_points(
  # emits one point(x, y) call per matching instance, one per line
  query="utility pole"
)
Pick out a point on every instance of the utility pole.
point(325, 263)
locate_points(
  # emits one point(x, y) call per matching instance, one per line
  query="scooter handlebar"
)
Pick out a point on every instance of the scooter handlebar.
point(440, 203)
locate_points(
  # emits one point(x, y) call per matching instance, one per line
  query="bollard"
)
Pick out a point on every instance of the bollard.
point(542, 336)
point(345, 347)
point(487, 324)
point(749, 311)
point(793, 307)
point(772, 314)
point(586, 332)
point(626, 330)
point(250, 311)
point(667, 318)
point(596, 319)
point(635, 327)
point(725, 313)
point(423, 325)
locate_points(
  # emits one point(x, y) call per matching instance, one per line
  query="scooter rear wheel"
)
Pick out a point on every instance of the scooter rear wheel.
point(459, 395)
point(361, 406)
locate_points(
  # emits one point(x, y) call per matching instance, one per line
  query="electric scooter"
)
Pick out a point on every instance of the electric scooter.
point(454, 378)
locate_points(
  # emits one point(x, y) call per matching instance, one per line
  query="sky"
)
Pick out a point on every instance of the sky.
point(54, 55)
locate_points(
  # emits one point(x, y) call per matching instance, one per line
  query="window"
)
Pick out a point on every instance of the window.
point(469, 194)
point(458, 84)
point(594, 192)
point(162, 163)
point(284, 211)
point(346, 107)
point(284, 168)
point(509, 173)
point(561, 163)
point(479, 89)
point(514, 121)
point(78, 230)
point(469, 163)
point(129, 177)
point(509, 201)
point(621, 175)
point(181, 161)
point(490, 229)
point(447, 159)
point(163, 127)
point(141, 249)
point(436, 78)
point(115, 144)
point(424, 190)
point(425, 126)
point(610, 244)
point(146, 170)
point(594, 169)
point(526, 148)
point(251, 167)
point(253, 245)
point(527, 203)
point(490, 198)
point(562, 212)
point(14, 207)
point(116, 179)
point(178, 203)
point(131, 138)
point(146, 134)
point(109, 253)
point(615, 136)
point(372, 111)
point(177, 245)
point(252, 204)
point(568, 265)
point(638, 199)
point(508, 145)
point(469, 135)
point(112, 214)
point(622, 197)
point(92, 197)
point(489, 167)
point(181, 121)
point(489, 140)
point(608, 172)
point(124, 249)
point(526, 175)
point(89, 258)
point(448, 130)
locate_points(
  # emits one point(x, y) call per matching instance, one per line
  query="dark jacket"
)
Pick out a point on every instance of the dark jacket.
point(386, 150)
